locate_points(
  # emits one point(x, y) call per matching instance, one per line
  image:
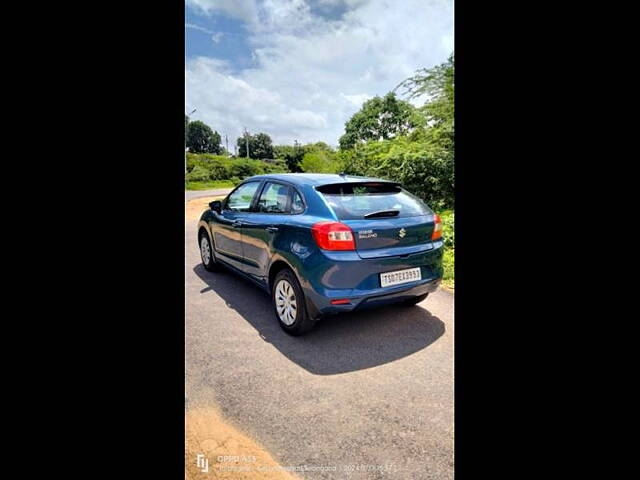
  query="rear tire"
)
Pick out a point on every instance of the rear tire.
point(289, 304)
point(206, 252)
point(414, 301)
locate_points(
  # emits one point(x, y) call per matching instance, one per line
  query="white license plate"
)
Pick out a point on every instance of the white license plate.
point(400, 276)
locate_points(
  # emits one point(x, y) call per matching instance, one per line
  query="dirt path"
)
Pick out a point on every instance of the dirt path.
point(194, 208)
point(229, 453)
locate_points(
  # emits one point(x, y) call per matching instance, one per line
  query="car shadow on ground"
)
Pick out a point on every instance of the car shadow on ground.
point(338, 344)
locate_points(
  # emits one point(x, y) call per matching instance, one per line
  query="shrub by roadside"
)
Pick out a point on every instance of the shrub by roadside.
point(448, 234)
point(206, 168)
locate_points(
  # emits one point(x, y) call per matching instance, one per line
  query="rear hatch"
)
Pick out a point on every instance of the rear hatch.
point(386, 220)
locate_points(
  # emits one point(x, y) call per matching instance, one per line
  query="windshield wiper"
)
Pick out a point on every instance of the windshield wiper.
point(382, 213)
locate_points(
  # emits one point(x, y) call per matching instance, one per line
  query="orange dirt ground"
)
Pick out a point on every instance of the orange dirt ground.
point(207, 434)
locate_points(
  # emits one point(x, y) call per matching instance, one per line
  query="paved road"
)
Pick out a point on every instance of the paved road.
point(191, 194)
point(370, 388)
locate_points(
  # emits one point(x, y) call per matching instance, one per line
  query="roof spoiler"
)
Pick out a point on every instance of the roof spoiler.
point(378, 186)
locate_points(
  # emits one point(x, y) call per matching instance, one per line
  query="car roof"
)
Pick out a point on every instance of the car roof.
point(316, 179)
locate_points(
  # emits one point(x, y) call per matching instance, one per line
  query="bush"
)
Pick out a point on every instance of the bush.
point(246, 168)
point(448, 263)
point(448, 236)
point(218, 171)
point(320, 162)
point(219, 167)
point(198, 174)
point(276, 166)
point(419, 161)
point(448, 227)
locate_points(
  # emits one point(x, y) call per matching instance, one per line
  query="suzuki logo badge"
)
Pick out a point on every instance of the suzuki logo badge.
point(402, 233)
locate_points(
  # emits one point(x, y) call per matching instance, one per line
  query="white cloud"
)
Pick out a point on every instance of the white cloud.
point(284, 13)
point(311, 73)
point(347, 3)
point(193, 26)
point(357, 100)
point(215, 36)
point(246, 10)
point(229, 103)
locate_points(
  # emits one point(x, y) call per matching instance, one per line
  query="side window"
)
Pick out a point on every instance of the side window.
point(274, 198)
point(240, 200)
point(297, 206)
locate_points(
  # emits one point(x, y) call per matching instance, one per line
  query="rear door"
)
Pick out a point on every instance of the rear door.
point(261, 228)
point(386, 220)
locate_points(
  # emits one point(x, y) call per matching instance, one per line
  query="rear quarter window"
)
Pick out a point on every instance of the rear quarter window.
point(297, 205)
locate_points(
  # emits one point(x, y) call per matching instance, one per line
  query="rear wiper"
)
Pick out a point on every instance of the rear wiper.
point(382, 213)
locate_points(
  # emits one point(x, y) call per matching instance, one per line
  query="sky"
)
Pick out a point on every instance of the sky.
point(299, 69)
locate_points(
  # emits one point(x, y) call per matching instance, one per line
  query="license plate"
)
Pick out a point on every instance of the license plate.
point(400, 276)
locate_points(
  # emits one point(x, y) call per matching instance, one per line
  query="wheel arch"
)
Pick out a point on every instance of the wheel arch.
point(277, 265)
point(204, 227)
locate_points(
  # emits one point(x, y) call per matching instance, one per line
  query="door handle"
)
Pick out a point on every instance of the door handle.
point(236, 224)
point(272, 229)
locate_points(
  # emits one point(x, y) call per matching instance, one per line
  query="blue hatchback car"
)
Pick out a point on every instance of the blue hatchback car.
point(324, 244)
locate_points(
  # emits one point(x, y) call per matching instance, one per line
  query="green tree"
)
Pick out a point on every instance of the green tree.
point(437, 84)
point(318, 147)
point(260, 146)
point(423, 160)
point(291, 155)
point(380, 118)
point(201, 139)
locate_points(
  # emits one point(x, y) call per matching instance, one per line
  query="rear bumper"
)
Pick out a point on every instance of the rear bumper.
point(370, 301)
point(344, 276)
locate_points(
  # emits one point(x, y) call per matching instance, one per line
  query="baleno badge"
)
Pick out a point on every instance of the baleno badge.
point(402, 233)
point(367, 234)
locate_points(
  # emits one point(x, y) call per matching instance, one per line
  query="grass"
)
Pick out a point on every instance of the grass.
point(448, 260)
point(208, 185)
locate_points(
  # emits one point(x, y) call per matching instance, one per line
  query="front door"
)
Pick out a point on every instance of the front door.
point(227, 227)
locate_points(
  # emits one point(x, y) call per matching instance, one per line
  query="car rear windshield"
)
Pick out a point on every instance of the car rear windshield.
point(355, 201)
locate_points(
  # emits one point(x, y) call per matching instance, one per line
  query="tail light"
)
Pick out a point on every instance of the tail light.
point(333, 236)
point(437, 227)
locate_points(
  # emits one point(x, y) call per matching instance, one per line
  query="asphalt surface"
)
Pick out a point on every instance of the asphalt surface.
point(372, 389)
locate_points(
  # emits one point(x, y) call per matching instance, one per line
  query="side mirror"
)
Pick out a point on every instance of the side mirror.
point(216, 206)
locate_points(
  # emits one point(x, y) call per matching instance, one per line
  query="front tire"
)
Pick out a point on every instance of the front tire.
point(206, 252)
point(289, 304)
